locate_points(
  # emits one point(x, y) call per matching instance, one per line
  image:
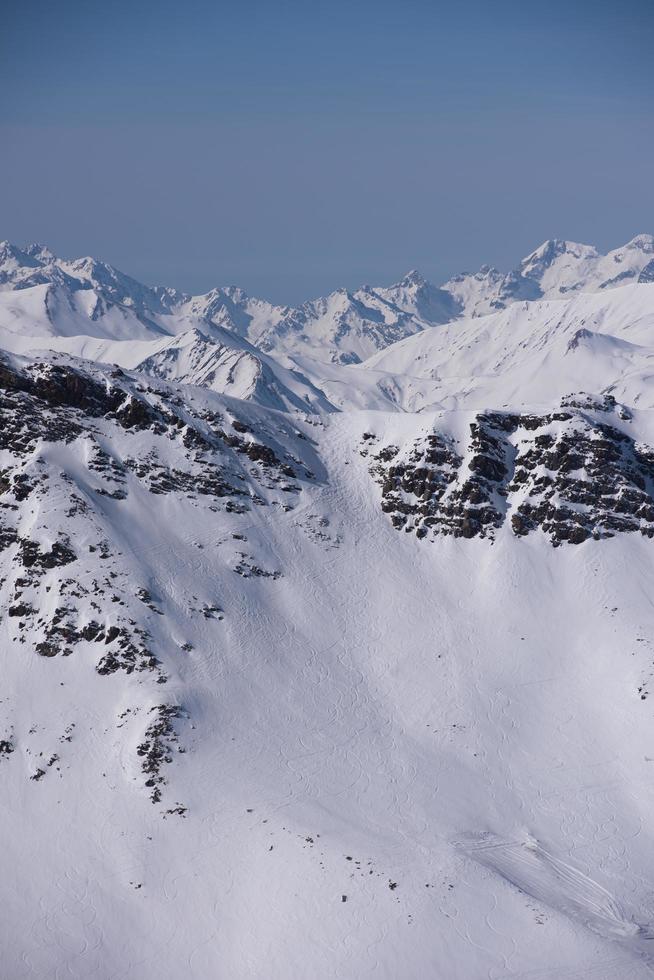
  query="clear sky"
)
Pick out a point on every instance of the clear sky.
point(292, 147)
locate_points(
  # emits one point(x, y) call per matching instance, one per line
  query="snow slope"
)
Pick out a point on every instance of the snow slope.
point(294, 692)
point(530, 353)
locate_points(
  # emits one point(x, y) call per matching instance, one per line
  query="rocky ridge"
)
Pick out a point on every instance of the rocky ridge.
point(575, 473)
point(77, 445)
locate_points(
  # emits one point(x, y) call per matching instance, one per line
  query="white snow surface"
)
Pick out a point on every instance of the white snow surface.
point(530, 353)
point(398, 758)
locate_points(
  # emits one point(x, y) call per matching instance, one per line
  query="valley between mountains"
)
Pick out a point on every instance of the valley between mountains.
point(327, 634)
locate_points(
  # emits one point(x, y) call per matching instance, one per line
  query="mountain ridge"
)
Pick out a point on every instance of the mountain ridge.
point(347, 326)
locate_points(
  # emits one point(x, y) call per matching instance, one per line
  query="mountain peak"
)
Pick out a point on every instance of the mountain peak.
point(644, 243)
point(413, 278)
point(552, 248)
point(11, 256)
point(41, 252)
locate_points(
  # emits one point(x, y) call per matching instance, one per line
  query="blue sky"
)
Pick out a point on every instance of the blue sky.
point(294, 147)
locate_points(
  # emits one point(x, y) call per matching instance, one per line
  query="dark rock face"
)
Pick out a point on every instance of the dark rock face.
point(412, 491)
point(572, 474)
point(589, 480)
point(476, 506)
point(128, 652)
point(61, 385)
point(31, 556)
point(156, 749)
point(647, 275)
point(435, 489)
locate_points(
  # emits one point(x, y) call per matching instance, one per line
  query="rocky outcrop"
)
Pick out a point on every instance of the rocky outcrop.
point(574, 474)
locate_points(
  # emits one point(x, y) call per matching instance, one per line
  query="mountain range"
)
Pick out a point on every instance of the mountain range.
point(87, 297)
point(326, 633)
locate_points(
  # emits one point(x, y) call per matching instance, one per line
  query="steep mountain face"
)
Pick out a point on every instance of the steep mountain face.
point(234, 310)
point(85, 453)
point(36, 265)
point(350, 326)
point(43, 296)
point(326, 669)
point(219, 362)
point(54, 310)
point(489, 290)
point(419, 298)
point(647, 274)
point(562, 267)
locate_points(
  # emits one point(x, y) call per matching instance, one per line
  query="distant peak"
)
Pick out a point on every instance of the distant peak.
point(85, 262)
point(10, 252)
point(543, 257)
point(643, 242)
point(490, 272)
point(192, 336)
point(36, 250)
point(8, 248)
point(551, 245)
point(413, 278)
point(547, 251)
point(235, 292)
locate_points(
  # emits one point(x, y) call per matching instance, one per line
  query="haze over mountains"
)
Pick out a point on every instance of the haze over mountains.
point(326, 633)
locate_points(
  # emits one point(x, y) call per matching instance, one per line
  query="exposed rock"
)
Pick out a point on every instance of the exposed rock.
point(157, 747)
point(570, 473)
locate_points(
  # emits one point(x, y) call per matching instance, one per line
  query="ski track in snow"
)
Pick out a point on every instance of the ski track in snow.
point(533, 870)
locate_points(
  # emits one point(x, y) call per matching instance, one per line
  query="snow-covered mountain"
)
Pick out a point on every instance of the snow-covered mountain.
point(230, 365)
point(326, 635)
point(37, 265)
point(528, 353)
point(552, 271)
point(42, 295)
point(53, 297)
point(347, 327)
